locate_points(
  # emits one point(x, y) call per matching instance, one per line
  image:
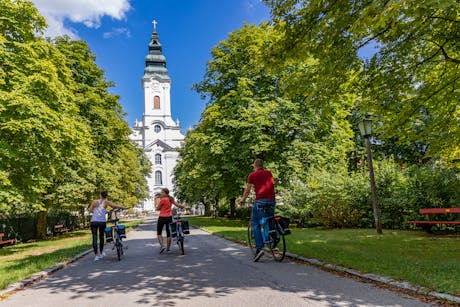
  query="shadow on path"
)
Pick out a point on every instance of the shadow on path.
point(211, 269)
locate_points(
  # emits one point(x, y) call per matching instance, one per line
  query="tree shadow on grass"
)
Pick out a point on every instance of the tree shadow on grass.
point(8, 250)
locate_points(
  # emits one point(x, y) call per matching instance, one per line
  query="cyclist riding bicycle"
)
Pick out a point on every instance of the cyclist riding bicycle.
point(264, 187)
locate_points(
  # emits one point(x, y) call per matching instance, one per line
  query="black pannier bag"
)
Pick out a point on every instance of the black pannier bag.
point(173, 230)
point(185, 227)
point(283, 225)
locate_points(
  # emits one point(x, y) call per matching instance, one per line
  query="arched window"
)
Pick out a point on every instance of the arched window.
point(158, 178)
point(157, 128)
point(158, 159)
point(156, 102)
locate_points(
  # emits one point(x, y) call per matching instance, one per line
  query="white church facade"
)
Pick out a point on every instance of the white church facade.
point(157, 133)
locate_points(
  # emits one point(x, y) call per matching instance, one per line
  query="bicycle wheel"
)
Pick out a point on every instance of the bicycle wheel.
point(277, 245)
point(251, 241)
point(180, 237)
point(180, 241)
point(119, 249)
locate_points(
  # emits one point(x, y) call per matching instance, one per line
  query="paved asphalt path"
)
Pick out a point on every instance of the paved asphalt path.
point(213, 272)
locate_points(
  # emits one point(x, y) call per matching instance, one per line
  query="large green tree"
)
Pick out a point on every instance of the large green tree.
point(62, 133)
point(407, 53)
point(40, 127)
point(253, 113)
point(119, 166)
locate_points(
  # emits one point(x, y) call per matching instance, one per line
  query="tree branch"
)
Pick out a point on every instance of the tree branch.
point(443, 18)
point(374, 37)
point(447, 57)
point(444, 52)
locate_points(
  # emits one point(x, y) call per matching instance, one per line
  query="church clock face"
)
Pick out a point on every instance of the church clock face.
point(155, 85)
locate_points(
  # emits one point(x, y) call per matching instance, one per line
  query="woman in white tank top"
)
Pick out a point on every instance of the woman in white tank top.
point(98, 208)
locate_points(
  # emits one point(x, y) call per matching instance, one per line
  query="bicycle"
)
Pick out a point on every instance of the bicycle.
point(120, 233)
point(272, 235)
point(178, 230)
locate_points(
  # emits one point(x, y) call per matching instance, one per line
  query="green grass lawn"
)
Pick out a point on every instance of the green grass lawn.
point(23, 260)
point(431, 261)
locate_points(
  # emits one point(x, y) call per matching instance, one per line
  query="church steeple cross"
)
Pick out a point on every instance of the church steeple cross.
point(154, 25)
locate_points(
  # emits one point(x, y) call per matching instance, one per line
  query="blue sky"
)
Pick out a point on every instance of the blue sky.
point(118, 32)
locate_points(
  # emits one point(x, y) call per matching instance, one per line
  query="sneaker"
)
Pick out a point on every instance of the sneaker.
point(97, 257)
point(162, 249)
point(102, 255)
point(258, 254)
point(275, 243)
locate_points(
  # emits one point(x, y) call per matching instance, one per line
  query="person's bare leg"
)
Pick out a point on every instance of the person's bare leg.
point(168, 243)
point(160, 240)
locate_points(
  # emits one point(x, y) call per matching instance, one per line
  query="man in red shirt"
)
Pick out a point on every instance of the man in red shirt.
point(264, 187)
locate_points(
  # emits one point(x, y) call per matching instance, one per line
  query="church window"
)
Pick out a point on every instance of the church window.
point(157, 128)
point(158, 159)
point(158, 178)
point(156, 102)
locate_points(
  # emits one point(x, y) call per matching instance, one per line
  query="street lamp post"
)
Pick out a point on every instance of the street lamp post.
point(365, 127)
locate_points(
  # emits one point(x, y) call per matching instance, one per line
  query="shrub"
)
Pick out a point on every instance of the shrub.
point(395, 194)
point(243, 213)
point(361, 201)
point(294, 203)
point(436, 186)
point(332, 200)
point(326, 199)
point(344, 200)
point(403, 191)
point(223, 208)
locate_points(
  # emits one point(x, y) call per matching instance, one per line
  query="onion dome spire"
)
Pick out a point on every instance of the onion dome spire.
point(155, 61)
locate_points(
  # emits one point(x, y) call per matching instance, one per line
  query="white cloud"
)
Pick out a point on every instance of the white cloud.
point(116, 32)
point(251, 5)
point(88, 12)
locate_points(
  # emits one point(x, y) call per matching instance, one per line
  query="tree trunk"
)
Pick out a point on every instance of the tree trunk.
point(82, 220)
point(207, 208)
point(216, 207)
point(41, 224)
point(233, 206)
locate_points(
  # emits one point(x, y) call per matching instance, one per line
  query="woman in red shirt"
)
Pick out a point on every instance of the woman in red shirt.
point(164, 202)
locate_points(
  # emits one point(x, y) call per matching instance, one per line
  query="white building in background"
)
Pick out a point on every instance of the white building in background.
point(157, 133)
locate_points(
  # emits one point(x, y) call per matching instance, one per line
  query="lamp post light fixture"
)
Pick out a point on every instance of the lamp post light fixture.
point(365, 127)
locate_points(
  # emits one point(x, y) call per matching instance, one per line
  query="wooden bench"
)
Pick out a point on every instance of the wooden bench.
point(431, 211)
point(59, 228)
point(5, 242)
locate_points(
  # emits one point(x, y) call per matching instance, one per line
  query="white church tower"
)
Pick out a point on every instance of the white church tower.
point(158, 134)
